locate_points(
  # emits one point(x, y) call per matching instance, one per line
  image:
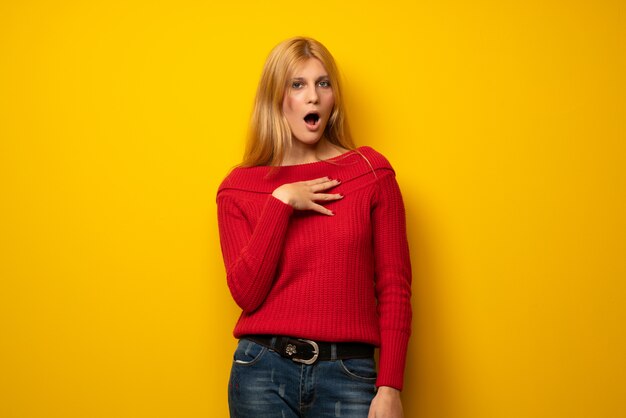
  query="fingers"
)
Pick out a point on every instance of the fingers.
point(316, 181)
point(323, 185)
point(321, 209)
point(320, 184)
point(304, 194)
point(327, 196)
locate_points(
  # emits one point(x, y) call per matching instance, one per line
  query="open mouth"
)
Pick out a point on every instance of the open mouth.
point(312, 118)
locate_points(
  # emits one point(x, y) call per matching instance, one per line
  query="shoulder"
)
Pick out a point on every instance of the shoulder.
point(376, 159)
point(236, 179)
point(230, 179)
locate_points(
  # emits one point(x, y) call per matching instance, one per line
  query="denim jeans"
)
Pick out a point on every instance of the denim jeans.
point(265, 385)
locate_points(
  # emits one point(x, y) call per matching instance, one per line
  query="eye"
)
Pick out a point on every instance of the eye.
point(296, 85)
point(324, 83)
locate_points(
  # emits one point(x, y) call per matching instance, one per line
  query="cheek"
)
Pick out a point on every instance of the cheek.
point(330, 101)
point(288, 104)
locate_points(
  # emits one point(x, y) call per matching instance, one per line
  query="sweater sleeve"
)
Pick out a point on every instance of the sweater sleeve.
point(393, 279)
point(251, 251)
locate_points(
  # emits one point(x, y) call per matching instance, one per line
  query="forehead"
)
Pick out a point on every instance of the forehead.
point(310, 68)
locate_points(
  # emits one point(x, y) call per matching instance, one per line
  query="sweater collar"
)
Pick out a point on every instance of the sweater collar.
point(347, 166)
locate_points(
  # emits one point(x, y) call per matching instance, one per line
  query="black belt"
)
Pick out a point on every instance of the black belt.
point(308, 352)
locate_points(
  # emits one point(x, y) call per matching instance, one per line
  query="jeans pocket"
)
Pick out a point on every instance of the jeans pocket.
point(248, 352)
point(362, 369)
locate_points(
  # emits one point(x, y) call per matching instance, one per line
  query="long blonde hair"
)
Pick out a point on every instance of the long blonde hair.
point(269, 134)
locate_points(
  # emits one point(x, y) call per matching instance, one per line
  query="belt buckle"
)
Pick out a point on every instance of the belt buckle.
point(316, 352)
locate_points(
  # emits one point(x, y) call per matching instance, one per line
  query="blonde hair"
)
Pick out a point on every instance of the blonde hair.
point(269, 134)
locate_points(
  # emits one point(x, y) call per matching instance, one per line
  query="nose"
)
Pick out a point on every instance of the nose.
point(312, 96)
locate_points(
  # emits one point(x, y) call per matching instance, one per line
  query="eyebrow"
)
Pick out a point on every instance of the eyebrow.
point(322, 77)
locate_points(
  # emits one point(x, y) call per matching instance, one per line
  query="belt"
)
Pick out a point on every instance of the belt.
point(305, 351)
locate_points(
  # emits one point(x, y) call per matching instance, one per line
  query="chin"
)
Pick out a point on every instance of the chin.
point(308, 140)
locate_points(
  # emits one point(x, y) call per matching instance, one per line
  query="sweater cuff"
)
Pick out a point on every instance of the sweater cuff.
point(392, 358)
point(277, 207)
point(272, 225)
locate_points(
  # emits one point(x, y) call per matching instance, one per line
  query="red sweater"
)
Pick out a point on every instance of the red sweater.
point(336, 278)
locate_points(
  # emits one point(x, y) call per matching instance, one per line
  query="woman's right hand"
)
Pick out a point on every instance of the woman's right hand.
point(302, 195)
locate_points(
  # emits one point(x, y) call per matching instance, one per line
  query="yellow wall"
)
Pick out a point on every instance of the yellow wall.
point(505, 122)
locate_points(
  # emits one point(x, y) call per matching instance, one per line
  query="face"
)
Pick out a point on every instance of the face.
point(308, 101)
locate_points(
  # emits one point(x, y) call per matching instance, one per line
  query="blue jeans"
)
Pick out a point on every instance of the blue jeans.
point(265, 385)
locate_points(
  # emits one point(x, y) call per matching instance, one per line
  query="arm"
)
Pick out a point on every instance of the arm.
point(251, 252)
point(393, 293)
point(393, 279)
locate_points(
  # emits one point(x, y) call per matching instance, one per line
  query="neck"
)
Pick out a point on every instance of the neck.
point(300, 153)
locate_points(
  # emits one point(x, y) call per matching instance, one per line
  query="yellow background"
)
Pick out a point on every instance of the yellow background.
point(505, 121)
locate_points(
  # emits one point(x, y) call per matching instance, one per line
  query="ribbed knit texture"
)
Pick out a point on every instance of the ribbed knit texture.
point(336, 278)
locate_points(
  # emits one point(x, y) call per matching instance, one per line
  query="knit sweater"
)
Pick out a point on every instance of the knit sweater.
point(308, 275)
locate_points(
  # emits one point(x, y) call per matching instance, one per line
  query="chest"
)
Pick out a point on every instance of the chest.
point(349, 227)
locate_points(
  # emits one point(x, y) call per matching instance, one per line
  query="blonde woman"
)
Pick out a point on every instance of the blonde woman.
point(313, 236)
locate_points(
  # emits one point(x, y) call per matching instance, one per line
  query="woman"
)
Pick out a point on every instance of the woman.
point(313, 235)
